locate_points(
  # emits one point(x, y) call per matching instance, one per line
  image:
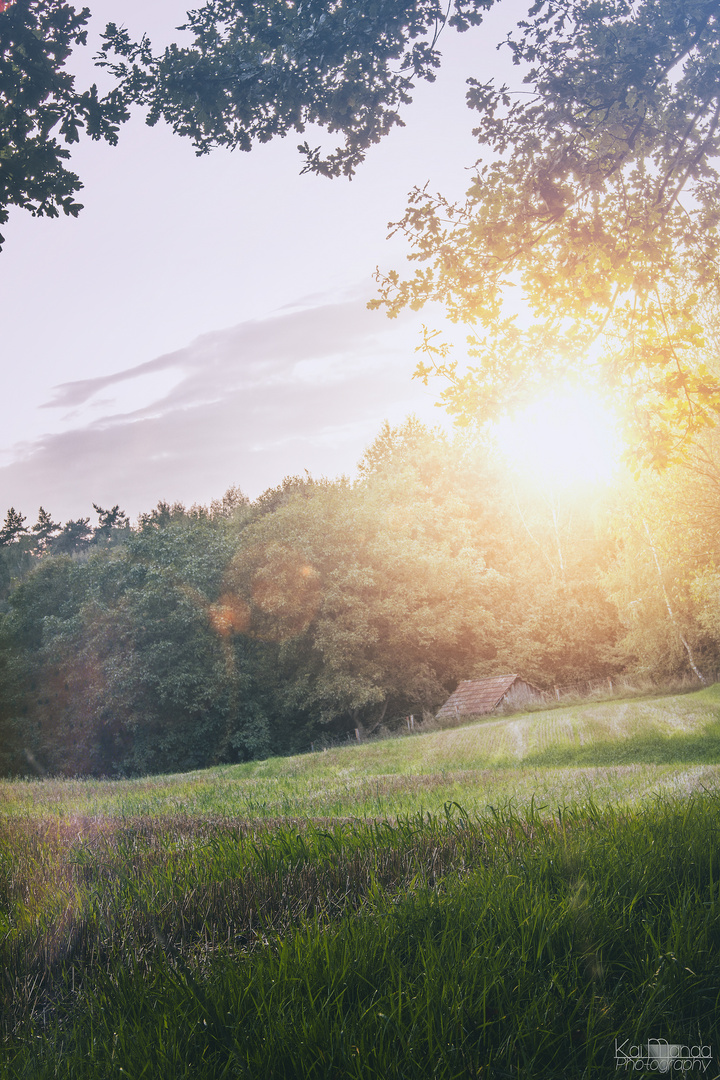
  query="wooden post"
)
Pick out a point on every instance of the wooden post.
point(357, 734)
point(557, 693)
point(610, 684)
point(412, 722)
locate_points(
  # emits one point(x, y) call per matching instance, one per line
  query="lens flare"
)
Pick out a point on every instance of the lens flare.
point(229, 615)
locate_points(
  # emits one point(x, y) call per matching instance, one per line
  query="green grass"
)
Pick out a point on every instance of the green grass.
point(339, 915)
point(616, 751)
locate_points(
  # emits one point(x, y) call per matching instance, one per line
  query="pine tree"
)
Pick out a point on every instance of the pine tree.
point(44, 529)
point(13, 527)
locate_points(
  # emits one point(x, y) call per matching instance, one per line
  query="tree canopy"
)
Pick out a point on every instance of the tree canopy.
point(255, 70)
point(593, 207)
point(241, 629)
point(261, 68)
point(588, 241)
point(597, 202)
point(41, 111)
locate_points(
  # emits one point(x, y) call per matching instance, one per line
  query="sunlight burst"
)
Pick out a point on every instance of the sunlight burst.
point(565, 438)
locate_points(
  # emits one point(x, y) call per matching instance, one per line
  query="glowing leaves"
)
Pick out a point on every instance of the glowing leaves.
point(229, 615)
point(363, 594)
point(586, 240)
point(656, 362)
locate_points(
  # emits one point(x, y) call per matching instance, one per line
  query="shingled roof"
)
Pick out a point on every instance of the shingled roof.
point(476, 696)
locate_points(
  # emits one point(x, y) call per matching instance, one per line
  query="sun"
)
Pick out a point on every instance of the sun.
point(565, 438)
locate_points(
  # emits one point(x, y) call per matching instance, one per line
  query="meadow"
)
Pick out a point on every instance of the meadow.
point(506, 898)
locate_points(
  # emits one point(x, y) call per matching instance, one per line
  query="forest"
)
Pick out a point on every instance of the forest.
point(242, 629)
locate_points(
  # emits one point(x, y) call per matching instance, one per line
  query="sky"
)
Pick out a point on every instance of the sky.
point(203, 322)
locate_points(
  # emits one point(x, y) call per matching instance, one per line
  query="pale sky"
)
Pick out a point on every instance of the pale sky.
point(203, 322)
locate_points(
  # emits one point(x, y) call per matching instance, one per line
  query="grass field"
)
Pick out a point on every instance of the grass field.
point(502, 899)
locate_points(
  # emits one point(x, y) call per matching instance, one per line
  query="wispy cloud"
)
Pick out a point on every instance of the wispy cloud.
point(305, 388)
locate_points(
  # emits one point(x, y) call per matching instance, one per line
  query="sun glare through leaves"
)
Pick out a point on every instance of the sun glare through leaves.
point(565, 438)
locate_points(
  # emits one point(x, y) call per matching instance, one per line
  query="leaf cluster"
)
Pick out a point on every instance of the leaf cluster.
point(260, 70)
point(41, 111)
point(596, 200)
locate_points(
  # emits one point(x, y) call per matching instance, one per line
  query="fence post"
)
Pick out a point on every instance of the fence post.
point(557, 693)
point(357, 734)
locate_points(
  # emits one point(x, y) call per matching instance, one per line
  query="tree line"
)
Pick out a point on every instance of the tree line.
point(243, 629)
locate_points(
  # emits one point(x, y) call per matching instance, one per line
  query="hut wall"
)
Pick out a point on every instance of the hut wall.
point(522, 693)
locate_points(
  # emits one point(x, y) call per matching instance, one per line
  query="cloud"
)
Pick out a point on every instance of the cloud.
point(306, 388)
point(305, 345)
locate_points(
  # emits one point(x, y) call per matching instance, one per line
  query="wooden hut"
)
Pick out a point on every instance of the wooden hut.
point(476, 697)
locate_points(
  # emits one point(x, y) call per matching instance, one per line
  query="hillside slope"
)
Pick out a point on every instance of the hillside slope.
point(613, 750)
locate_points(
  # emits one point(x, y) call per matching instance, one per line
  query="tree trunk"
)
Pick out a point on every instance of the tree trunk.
point(670, 611)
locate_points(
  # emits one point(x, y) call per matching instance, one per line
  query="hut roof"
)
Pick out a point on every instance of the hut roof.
point(476, 696)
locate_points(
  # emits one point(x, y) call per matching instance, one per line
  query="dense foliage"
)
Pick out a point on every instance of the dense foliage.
point(594, 209)
point(664, 576)
point(261, 69)
point(41, 110)
point(238, 630)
